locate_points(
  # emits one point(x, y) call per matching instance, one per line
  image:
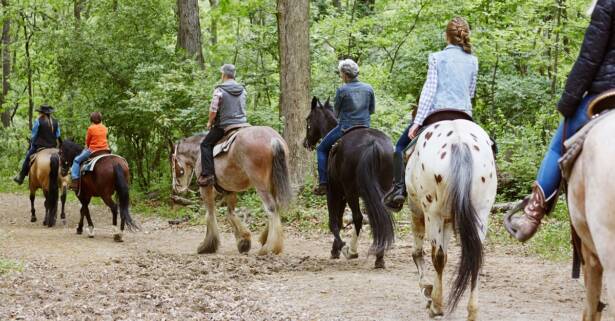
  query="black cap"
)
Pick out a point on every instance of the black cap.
point(45, 109)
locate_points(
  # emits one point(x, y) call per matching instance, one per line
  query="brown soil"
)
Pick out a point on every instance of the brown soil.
point(157, 275)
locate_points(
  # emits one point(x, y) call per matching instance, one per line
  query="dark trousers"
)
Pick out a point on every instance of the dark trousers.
point(207, 150)
point(25, 166)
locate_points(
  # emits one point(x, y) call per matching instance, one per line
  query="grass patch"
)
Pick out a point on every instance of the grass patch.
point(7, 266)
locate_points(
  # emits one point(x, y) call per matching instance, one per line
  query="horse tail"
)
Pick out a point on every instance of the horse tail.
point(121, 187)
point(53, 188)
point(280, 177)
point(368, 174)
point(466, 222)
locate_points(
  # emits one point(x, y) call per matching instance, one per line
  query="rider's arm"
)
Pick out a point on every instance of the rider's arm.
point(88, 138)
point(34, 131)
point(216, 101)
point(593, 50)
point(372, 102)
point(428, 93)
point(338, 103)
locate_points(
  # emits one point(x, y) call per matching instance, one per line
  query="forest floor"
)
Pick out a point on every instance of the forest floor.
point(155, 274)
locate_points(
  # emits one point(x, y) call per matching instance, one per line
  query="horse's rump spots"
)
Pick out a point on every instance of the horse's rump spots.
point(429, 198)
point(449, 133)
point(428, 135)
point(444, 146)
point(423, 166)
point(482, 178)
point(442, 156)
point(476, 147)
point(438, 178)
point(424, 143)
point(436, 126)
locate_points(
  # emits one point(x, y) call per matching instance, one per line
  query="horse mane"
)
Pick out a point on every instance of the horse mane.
point(70, 146)
point(190, 146)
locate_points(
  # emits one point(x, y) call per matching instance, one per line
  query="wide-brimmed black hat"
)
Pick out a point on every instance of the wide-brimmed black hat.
point(45, 109)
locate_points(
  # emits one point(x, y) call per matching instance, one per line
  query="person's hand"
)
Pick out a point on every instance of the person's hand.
point(413, 131)
point(208, 125)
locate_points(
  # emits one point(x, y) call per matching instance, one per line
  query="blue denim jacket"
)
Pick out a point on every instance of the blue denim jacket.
point(456, 73)
point(354, 103)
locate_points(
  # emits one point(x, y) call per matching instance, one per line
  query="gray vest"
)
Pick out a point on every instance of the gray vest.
point(233, 108)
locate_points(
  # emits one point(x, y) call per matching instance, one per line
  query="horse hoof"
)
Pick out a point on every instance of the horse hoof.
point(64, 221)
point(33, 219)
point(91, 232)
point(208, 247)
point(244, 246)
point(348, 255)
point(118, 238)
point(435, 314)
point(335, 256)
point(379, 263)
point(79, 231)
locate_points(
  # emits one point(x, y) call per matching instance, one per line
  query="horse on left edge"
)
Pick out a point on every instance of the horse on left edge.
point(110, 175)
point(44, 174)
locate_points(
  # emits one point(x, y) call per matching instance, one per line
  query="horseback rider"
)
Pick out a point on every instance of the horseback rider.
point(450, 84)
point(592, 74)
point(45, 134)
point(95, 140)
point(228, 108)
point(354, 103)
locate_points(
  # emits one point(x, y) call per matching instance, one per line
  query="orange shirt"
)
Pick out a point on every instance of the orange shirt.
point(96, 138)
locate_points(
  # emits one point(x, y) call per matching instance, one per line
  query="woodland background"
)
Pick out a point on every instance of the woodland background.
point(150, 66)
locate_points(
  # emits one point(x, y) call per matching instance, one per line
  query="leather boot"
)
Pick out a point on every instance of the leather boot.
point(525, 226)
point(206, 180)
point(74, 184)
point(18, 179)
point(397, 196)
point(320, 190)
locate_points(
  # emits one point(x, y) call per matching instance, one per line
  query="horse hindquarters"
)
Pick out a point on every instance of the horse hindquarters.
point(122, 190)
point(369, 171)
point(53, 191)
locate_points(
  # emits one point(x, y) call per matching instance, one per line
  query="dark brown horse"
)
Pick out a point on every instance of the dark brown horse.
point(110, 175)
point(44, 174)
point(360, 166)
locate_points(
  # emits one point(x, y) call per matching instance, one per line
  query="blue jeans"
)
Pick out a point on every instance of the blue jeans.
point(322, 152)
point(549, 175)
point(403, 140)
point(74, 170)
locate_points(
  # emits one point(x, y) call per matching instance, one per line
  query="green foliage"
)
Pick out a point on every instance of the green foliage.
point(7, 266)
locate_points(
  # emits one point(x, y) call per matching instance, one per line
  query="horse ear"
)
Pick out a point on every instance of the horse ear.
point(314, 102)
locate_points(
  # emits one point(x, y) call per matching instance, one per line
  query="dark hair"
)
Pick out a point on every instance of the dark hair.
point(96, 117)
point(458, 33)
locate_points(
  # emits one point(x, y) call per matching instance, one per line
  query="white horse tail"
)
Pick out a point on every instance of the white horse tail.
point(465, 221)
point(280, 177)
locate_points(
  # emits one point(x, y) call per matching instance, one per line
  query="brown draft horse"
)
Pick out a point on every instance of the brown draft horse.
point(44, 175)
point(360, 167)
point(111, 175)
point(257, 158)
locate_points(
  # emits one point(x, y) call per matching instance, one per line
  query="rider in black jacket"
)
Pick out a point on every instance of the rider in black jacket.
point(592, 74)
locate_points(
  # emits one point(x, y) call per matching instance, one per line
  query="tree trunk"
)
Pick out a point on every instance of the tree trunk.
point(6, 64)
point(214, 23)
point(29, 72)
point(337, 4)
point(189, 31)
point(293, 40)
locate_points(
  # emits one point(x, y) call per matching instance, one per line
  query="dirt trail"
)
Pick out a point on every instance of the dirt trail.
point(156, 275)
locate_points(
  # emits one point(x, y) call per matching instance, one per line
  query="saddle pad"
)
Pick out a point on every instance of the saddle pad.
point(225, 145)
point(89, 165)
point(574, 145)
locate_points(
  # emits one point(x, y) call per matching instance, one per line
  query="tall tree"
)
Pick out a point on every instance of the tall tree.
point(214, 23)
point(6, 62)
point(189, 31)
point(294, 47)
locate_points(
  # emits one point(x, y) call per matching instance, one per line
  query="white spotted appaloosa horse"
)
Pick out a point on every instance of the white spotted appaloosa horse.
point(591, 202)
point(257, 158)
point(451, 182)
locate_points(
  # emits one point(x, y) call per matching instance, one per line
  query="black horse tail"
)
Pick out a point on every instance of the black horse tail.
point(368, 176)
point(53, 192)
point(466, 222)
point(280, 177)
point(121, 187)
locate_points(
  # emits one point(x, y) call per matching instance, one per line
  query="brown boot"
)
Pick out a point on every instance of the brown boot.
point(206, 180)
point(535, 208)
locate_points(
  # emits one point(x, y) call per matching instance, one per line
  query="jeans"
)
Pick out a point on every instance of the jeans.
point(322, 152)
point(75, 169)
point(549, 175)
point(403, 140)
point(207, 150)
point(25, 166)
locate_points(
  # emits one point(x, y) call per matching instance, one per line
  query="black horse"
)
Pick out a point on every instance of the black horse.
point(360, 166)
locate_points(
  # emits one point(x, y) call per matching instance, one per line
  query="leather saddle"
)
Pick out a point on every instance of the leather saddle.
point(230, 133)
point(446, 114)
point(602, 102)
point(89, 164)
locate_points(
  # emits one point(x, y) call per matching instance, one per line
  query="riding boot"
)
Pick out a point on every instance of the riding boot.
point(320, 190)
point(535, 209)
point(74, 184)
point(19, 178)
point(397, 196)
